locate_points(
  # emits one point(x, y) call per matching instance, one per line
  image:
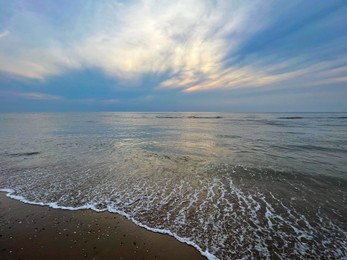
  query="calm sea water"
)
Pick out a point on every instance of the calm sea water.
point(233, 185)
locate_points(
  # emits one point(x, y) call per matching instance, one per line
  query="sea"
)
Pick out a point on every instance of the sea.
point(233, 185)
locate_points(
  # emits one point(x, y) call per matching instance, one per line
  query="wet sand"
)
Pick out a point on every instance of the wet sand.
point(40, 232)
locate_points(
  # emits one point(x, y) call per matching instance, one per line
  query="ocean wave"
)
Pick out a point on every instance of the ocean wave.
point(225, 211)
point(11, 194)
point(189, 117)
point(22, 154)
point(291, 117)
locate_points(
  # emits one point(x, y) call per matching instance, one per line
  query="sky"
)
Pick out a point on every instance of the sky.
point(182, 55)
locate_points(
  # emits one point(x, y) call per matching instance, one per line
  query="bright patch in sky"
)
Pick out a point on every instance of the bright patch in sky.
point(173, 55)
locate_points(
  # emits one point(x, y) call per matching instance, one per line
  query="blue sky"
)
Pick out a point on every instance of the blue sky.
point(183, 55)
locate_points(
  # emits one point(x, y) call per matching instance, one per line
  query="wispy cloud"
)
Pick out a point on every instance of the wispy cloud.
point(151, 37)
point(197, 44)
point(3, 34)
point(281, 73)
point(28, 95)
point(130, 40)
point(110, 101)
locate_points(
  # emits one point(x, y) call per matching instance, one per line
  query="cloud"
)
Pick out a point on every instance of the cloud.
point(152, 37)
point(130, 40)
point(285, 73)
point(36, 63)
point(3, 34)
point(92, 101)
point(110, 101)
point(197, 44)
point(28, 95)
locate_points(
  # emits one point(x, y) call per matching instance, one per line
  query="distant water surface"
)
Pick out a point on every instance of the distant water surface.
point(233, 185)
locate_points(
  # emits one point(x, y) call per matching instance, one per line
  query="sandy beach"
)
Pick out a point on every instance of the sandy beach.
point(39, 232)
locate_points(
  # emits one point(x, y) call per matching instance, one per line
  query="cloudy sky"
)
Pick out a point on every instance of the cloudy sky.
point(182, 55)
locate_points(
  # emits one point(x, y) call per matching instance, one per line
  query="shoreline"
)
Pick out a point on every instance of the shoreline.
point(35, 232)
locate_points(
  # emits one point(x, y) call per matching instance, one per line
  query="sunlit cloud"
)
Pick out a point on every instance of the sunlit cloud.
point(191, 45)
point(152, 37)
point(325, 72)
point(130, 40)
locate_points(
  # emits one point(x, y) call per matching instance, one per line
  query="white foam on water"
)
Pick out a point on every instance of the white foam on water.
point(231, 211)
point(54, 205)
